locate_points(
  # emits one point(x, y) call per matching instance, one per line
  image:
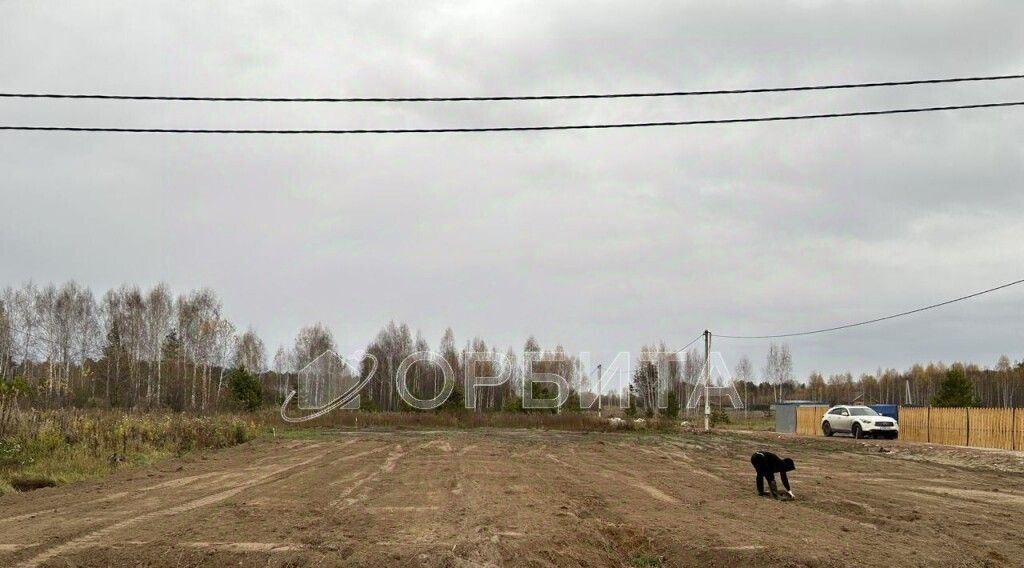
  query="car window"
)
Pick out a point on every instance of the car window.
point(862, 412)
point(843, 412)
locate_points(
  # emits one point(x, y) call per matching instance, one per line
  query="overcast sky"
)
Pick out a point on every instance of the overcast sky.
point(601, 241)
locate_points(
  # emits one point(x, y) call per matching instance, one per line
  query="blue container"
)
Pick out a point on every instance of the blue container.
point(888, 410)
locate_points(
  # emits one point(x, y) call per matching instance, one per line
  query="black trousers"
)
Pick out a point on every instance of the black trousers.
point(771, 483)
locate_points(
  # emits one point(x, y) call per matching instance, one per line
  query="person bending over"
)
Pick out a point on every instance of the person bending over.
point(767, 464)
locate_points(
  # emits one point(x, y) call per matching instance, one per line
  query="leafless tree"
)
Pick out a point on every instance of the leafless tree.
point(744, 370)
point(6, 340)
point(284, 367)
point(159, 321)
point(250, 353)
point(311, 342)
point(392, 344)
point(693, 366)
point(745, 375)
point(778, 367)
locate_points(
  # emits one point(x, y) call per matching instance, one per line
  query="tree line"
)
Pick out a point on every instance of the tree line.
point(150, 348)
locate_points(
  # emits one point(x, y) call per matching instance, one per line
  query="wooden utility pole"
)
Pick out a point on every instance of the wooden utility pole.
point(745, 419)
point(599, 391)
point(707, 380)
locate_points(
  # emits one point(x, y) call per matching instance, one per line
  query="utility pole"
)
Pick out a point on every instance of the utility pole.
point(599, 391)
point(745, 419)
point(707, 380)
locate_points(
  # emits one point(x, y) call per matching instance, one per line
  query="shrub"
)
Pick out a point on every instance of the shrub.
point(53, 447)
point(719, 416)
point(13, 454)
point(246, 389)
point(10, 391)
point(672, 406)
point(366, 403)
point(513, 404)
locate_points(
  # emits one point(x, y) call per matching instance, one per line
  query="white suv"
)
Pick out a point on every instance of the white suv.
point(860, 421)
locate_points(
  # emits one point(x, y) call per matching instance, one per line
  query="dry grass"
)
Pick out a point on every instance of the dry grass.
point(47, 448)
point(753, 422)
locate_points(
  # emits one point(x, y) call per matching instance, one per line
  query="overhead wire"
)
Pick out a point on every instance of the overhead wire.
point(873, 320)
point(600, 126)
point(684, 347)
point(624, 95)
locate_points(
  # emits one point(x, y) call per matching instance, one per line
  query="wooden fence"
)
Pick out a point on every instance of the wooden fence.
point(914, 424)
point(808, 420)
point(1001, 428)
point(992, 428)
point(947, 426)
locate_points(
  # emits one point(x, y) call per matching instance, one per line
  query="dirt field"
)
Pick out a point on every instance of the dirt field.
point(532, 498)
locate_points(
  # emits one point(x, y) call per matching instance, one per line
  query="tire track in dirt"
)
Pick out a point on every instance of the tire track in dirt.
point(973, 495)
point(845, 486)
point(174, 483)
point(626, 478)
point(568, 495)
point(95, 537)
point(283, 511)
point(528, 498)
point(629, 477)
point(686, 462)
point(700, 496)
point(390, 462)
point(418, 513)
point(470, 517)
point(212, 479)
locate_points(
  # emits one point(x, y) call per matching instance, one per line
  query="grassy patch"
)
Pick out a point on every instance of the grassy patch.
point(45, 449)
point(299, 433)
point(756, 423)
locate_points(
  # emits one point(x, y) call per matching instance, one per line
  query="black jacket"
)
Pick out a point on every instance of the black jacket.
point(767, 465)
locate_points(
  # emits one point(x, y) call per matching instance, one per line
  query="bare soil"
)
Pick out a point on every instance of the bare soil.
point(532, 498)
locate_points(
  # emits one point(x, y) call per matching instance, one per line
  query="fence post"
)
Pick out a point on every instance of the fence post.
point(968, 425)
point(928, 425)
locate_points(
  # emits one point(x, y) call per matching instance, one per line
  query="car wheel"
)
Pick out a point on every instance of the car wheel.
point(826, 429)
point(857, 432)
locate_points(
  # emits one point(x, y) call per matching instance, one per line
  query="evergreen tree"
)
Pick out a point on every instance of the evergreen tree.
point(672, 406)
point(245, 388)
point(955, 390)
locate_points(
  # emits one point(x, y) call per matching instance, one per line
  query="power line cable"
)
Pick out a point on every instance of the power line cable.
point(875, 320)
point(605, 126)
point(695, 340)
point(628, 95)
